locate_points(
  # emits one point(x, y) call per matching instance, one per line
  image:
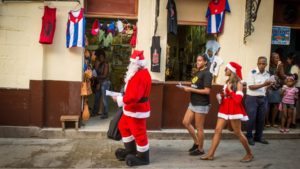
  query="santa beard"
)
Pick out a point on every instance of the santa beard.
point(131, 70)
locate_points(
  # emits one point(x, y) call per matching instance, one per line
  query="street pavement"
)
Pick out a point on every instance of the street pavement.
point(169, 154)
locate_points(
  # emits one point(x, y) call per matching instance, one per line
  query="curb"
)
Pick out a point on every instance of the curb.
point(165, 134)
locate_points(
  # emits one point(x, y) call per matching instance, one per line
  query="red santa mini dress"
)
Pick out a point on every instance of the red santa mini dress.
point(232, 107)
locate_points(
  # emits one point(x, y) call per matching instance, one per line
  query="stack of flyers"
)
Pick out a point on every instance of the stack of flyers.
point(179, 85)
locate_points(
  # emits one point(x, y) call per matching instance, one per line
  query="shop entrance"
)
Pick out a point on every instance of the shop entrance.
point(286, 43)
point(113, 38)
point(182, 51)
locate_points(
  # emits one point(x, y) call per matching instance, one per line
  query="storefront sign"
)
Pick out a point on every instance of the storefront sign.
point(281, 35)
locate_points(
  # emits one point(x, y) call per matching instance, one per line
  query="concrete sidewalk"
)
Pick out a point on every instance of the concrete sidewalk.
point(99, 153)
point(100, 132)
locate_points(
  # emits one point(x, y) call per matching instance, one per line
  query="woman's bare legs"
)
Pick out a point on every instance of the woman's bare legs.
point(236, 126)
point(187, 122)
point(199, 123)
point(216, 139)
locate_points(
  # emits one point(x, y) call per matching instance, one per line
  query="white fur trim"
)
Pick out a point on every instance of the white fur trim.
point(127, 139)
point(139, 115)
point(120, 101)
point(142, 148)
point(231, 68)
point(139, 62)
point(233, 117)
point(240, 93)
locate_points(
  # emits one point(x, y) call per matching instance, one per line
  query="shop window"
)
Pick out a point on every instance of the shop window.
point(117, 51)
point(182, 51)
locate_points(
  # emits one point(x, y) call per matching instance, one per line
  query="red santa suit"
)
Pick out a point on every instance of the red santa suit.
point(231, 106)
point(136, 105)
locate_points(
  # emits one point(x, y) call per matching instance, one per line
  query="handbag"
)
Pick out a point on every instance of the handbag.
point(113, 130)
point(86, 112)
point(84, 91)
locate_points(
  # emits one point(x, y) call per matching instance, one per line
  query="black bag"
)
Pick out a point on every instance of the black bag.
point(113, 130)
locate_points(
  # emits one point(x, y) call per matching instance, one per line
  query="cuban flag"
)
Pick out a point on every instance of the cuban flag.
point(76, 29)
point(216, 14)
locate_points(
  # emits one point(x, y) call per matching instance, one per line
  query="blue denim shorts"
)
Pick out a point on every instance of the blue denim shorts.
point(199, 109)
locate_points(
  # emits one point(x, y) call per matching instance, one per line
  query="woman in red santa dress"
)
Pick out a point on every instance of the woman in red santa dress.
point(231, 109)
point(136, 109)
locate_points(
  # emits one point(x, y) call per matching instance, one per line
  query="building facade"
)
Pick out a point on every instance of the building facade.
point(39, 83)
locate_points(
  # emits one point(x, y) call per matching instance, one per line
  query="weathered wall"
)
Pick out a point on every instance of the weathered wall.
point(23, 58)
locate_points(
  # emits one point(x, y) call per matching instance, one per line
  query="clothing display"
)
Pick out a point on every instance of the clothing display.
point(216, 14)
point(101, 35)
point(108, 40)
point(120, 26)
point(215, 65)
point(95, 27)
point(48, 25)
point(76, 29)
point(172, 17)
point(155, 54)
point(111, 28)
point(134, 36)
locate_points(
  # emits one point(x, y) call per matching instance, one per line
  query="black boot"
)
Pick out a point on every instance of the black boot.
point(130, 148)
point(142, 158)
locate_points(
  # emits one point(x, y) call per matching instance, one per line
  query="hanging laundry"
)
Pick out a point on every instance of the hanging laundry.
point(76, 29)
point(172, 17)
point(95, 27)
point(134, 36)
point(120, 26)
point(216, 14)
point(48, 25)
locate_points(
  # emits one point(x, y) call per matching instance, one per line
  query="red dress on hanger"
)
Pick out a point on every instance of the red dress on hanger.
point(48, 25)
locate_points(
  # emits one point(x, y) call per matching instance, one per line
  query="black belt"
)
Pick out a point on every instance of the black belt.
point(260, 96)
point(143, 100)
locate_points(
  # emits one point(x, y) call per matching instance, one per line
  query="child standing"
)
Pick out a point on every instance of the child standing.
point(289, 93)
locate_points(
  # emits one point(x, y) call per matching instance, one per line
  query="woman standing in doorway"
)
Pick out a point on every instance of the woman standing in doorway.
point(276, 70)
point(232, 109)
point(199, 105)
point(102, 83)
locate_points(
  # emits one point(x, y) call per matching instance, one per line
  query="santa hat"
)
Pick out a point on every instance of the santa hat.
point(138, 57)
point(235, 68)
point(95, 27)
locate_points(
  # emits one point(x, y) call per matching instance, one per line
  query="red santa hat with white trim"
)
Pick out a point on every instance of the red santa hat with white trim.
point(138, 57)
point(235, 68)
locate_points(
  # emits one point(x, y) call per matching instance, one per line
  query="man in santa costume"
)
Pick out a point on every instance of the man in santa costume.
point(136, 108)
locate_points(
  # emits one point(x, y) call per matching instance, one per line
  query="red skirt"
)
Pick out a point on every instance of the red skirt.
point(230, 110)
